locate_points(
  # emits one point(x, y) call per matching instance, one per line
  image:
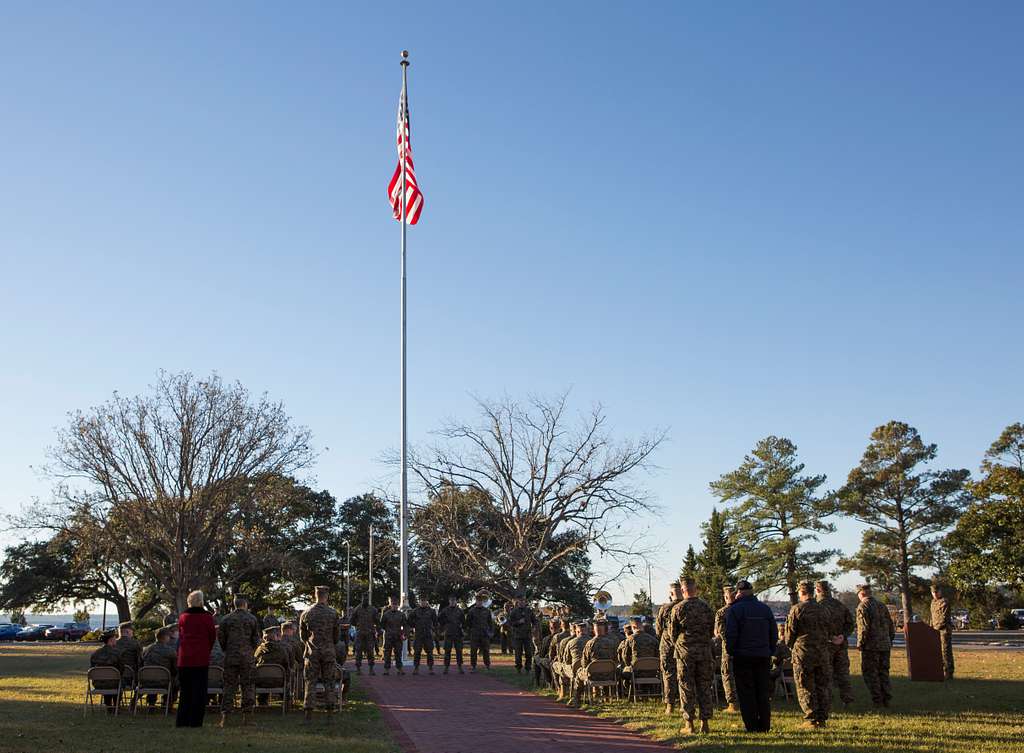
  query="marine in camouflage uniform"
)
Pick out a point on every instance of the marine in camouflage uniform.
point(667, 651)
point(423, 620)
point(942, 620)
point(521, 623)
point(480, 626)
point(319, 630)
point(601, 647)
point(875, 633)
point(561, 666)
point(131, 652)
point(542, 664)
point(572, 655)
point(450, 621)
point(728, 682)
point(394, 623)
point(807, 635)
point(239, 634)
point(639, 644)
point(161, 654)
point(691, 625)
point(366, 619)
point(840, 625)
point(107, 655)
point(291, 642)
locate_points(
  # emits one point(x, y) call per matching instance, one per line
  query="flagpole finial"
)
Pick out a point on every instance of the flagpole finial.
point(405, 57)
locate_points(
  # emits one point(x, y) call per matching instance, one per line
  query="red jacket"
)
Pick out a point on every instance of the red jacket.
point(196, 635)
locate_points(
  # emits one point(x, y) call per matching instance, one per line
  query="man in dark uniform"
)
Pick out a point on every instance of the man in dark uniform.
point(239, 634)
point(424, 622)
point(480, 626)
point(666, 651)
point(691, 626)
point(521, 621)
point(366, 619)
point(160, 653)
point(875, 633)
point(394, 623)
point(131, 652)
point(272, 650)
point(542, 662)
point(319, 630)
point(807, 635)
point(841, 624)
point(450, 624)
point(728, 682)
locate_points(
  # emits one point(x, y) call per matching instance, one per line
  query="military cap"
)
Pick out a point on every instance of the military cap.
point(322, 590)
point(823, 585)
point(806, 587)
point(743, 585)
point(125, 626)
point(272, 630)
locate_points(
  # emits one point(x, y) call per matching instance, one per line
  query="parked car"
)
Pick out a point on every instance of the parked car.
point(8, 631)
point(69, 631)
point(32, 633)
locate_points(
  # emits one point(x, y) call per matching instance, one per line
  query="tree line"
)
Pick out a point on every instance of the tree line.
point(922, 524)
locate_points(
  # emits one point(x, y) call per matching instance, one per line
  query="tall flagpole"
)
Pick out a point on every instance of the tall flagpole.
point(404, 511)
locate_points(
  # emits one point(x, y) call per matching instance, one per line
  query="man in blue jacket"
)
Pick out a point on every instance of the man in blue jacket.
point(750, 637)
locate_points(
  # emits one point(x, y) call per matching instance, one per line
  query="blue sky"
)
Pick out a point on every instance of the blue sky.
point(729, 221)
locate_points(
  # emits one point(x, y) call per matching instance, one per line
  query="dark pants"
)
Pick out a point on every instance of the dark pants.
point(426, 643)
point(192, 683)
point(451, 642)
point(753, 690)
point(483, 645)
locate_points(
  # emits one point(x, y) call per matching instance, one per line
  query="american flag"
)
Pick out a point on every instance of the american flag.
point(413, 197)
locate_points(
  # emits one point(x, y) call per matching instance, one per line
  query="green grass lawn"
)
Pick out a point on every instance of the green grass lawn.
point(41, 692)
point(982, 711)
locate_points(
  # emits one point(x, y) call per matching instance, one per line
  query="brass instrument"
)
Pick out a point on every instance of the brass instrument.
point(602, 602)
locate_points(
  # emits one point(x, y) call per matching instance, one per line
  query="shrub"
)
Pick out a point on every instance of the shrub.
point(1009, 621)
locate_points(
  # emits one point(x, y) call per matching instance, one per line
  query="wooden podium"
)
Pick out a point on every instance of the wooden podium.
point(924, 653)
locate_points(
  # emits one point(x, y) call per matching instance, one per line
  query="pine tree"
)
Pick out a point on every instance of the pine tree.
point(717, 562)
point(642, 604)
point(690, 566)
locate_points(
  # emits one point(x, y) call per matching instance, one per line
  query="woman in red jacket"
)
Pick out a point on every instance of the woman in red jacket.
point(196, 635)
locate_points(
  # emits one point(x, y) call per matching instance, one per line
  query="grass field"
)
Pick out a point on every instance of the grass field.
point(41, 692)
point(982, 711)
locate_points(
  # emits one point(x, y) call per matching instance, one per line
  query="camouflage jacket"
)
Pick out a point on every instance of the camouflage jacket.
point(393, 622)
point(599, 647)
point(661, 622)
point(274, 652)
point(449, 621)
point(807, 629)
point(131, 652)
point(161, 655)
point(574, 650)
point(720, 625)
point(106, 656)
point(319, 628)
point(840, 619)
point(637, 646)
point(366, 619)
point(942, 614)
point(521, 622)
point(424, 621)
point(875, 630)
point(690, 626)
point(239, 634)
point(555, 642)
point(479, 622)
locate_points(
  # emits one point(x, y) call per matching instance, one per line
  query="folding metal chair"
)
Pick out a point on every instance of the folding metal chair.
point(604, 668)
point(272, 679)
point(153, 680)
point(645, 673)
point(214, 683)
point(103, 676)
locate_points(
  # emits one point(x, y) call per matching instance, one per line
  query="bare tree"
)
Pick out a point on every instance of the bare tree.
point(525, 490)
point(175, 474)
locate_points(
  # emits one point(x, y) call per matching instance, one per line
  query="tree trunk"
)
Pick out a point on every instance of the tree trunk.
point(124, 609)
point(904, 573)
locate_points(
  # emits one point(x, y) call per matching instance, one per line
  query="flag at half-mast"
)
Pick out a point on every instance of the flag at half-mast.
point(413, 197)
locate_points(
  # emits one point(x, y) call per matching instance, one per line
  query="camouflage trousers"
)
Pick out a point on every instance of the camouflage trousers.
point(696, 673)
point(874, 665)
point(392, 650)
point(365, 646)
point(419, 645)
point(238, 671)
point(523, 647)
point(320, 666)
point(946, 642)
point(729, 681)
point(839, 658)
point(669, 681)
point(449, 644)
point(480, 643)
point(813, 677)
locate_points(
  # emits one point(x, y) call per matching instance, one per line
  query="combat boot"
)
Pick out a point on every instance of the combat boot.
point(808, 725)
point(430, 670)
point(387, 671)
point(445, 671)
point(705, 728)
point(668, 709)
point(307, 717)
point(401, 671)
point(731, 709)
point(689, 728)
point(371, 670)
point(416, 669)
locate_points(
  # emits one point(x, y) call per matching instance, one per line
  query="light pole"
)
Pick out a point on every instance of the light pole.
point(348, 579)
point(370, 589)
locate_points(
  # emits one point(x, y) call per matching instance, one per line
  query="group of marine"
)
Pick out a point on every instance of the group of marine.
point(688, 638)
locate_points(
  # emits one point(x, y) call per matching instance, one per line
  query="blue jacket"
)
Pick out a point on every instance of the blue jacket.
point(750, 628)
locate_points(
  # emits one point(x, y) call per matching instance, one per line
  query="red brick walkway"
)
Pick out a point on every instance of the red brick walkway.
point(473, 713)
